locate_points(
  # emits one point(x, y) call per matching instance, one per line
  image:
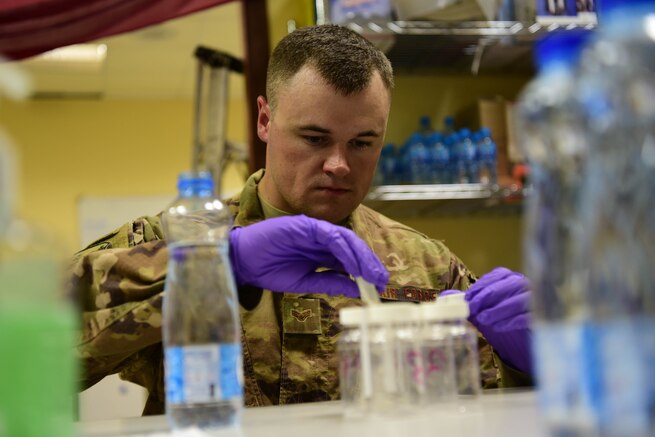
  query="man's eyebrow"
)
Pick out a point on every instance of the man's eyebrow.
point(368, 133)
point(315, 128)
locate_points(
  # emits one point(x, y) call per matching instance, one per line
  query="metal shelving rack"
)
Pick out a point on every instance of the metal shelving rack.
point(445, 199)
point(458, 47)
point(476, 47)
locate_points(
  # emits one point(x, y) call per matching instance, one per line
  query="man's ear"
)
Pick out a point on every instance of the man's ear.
point(263, 118)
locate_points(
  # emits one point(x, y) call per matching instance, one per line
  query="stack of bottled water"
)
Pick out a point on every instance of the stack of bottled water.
point(201, 327)
point(430, 156)
point(590, 241)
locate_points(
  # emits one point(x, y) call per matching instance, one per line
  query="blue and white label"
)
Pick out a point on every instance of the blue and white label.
point(203, 373)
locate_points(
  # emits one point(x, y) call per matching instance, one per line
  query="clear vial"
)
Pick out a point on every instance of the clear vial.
point(465, 344)
point(396, 369)
point(438, 359)
point(351, 377)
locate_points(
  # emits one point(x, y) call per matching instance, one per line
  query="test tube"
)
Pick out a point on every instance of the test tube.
point(437, 355)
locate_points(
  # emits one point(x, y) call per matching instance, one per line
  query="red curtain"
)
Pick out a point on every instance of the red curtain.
point(30, 27)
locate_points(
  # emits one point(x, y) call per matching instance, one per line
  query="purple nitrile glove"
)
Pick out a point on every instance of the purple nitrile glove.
point(283, 253)
point(500, 308)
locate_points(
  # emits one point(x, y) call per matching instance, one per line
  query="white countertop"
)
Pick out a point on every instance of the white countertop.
point(501, 413)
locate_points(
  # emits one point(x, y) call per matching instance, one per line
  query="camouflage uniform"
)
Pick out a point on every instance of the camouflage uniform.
point(289, 340)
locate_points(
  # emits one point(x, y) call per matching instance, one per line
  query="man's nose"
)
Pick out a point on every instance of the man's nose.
point(337, 162)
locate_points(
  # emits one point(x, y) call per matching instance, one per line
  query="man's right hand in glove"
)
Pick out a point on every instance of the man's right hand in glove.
point(283, 253)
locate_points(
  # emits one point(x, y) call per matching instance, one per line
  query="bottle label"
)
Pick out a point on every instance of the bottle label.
point(564, 361)
point(203, 373)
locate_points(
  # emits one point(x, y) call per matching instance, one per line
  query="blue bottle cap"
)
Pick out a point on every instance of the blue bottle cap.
point(196, 182)
point(425, 122)
point(485, 132)
point(561, 47)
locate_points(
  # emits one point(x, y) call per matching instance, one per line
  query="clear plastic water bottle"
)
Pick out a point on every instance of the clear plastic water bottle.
point(465, 154)
point(487, 157)
point(418, 158)
point(390, 165)
point(201, 329)
point(458, 160)
point(450, 142)
point(439, 158)
point(449, 125)
point(549, 124)
point(617, 92)
point(469, 157)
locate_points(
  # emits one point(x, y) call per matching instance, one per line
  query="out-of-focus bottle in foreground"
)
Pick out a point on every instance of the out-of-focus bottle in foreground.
point(201, 329)
point(549, 127)
point(617, 93)
point(37, 325)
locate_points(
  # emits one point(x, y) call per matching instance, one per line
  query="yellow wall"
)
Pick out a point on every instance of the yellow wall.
point(71, 149)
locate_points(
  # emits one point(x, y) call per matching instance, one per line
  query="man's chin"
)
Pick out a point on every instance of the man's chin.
point(328, 214)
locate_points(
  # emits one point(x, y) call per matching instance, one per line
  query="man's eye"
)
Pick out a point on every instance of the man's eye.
point(359, 144)
point(313, 139)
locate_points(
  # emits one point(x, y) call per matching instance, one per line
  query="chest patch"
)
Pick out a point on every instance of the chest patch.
point(301, 315)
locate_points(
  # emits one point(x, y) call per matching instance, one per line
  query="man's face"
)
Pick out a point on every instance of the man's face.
point(322, 146)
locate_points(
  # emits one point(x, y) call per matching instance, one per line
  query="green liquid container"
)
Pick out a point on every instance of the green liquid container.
point(37, 364)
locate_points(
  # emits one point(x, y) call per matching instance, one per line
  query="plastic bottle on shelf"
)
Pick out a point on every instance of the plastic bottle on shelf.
point(418, 160)
point(37, 325)
point(425, 127)
point(450, 142)
point(548, 127)
point(469, 157)
point(388, 168)
point(201, 329)
point(439, 160)
point(457, 162)
point(616, 89)
point(449, 125)
point(465, 155)
point(486, 156)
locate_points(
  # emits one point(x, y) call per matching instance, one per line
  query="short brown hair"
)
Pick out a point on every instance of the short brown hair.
point(345, 59)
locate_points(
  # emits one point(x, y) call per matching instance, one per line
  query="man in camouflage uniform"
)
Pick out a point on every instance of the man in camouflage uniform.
point(324, 121)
